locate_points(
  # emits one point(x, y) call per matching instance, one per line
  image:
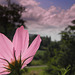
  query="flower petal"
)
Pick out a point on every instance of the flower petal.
point(5, 48)
point(3, 64)
point(3, 71)
point(30, 52)
point(26, 62)
point(20, 40)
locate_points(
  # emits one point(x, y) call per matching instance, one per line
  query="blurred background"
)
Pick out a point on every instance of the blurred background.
point(54, 20)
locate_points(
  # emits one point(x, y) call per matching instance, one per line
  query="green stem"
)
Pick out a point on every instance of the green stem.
point(18, 72)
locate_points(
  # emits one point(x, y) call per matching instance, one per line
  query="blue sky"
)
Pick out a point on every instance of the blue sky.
point(64, 4)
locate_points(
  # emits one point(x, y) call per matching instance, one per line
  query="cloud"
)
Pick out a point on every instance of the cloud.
point(49, 21)
point(49, 17)
point(52, 16)
point(29, 3)
point(46, 21)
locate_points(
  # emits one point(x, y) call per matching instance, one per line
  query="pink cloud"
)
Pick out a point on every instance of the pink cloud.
point(52, 16)
point(45, 20)
point(29, 3)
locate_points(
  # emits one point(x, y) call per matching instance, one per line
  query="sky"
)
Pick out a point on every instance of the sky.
point(64, 4)
point(47, 17)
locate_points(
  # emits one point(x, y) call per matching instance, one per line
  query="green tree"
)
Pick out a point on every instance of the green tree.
point(51, 57)
point(11, 17)
point(62, 54)
point(68, 48)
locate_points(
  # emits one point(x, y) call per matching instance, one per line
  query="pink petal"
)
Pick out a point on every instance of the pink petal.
point(32, 50)
point(3, 71)
point(20, 40)
point(26, 62)
point(24, 65)
point(3, 62)
point(5, 48)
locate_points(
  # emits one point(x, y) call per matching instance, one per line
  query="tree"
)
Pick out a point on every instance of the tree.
point(68, 48)
point(52, 58)
point(62, 54)
point(11, 17)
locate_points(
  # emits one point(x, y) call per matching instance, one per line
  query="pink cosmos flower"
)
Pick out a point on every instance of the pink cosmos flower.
point(17, 54)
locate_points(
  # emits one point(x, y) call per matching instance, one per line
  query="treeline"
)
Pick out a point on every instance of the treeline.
point(45, 41)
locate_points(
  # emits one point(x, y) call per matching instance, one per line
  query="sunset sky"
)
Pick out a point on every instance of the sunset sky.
point(47, 17)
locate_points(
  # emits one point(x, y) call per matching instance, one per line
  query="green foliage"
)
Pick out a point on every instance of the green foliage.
point(36, 63)
point(38, 58)
point(61, 54)
point(53, 47)
point(10, 18)
point(68, 48)
point(64, 71)
point(35, 71)
point(39, 55)
point(45, 41)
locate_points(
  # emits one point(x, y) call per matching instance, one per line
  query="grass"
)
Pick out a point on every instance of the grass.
point(35, 71)
point(37, 63)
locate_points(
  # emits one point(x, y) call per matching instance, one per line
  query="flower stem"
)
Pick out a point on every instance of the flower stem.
point(18, 72)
